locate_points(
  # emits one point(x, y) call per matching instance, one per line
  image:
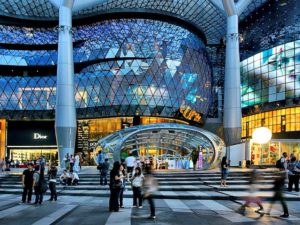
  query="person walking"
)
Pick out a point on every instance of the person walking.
point(195, 156)
point(27, 183)
point(103, 172)
point(278, 193)
point(224, 171)
point(253, 198)
point(52, 183)
point(115, 186)
point(137, 183)
point(150, 185)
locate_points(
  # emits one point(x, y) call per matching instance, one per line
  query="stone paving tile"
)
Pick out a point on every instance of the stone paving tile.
point(94, 210)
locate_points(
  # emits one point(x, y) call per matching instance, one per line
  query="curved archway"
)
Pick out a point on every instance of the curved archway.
point(167, 140)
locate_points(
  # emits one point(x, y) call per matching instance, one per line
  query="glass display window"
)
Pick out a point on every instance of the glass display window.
point(23, 155)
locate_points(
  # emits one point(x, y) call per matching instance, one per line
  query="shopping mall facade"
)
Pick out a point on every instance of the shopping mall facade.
point(152, 66)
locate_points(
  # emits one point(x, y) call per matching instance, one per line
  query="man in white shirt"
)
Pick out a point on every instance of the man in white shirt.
point(130, 163)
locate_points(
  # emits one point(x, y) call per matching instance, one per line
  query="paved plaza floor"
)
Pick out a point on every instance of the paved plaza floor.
point(92, 210)
point(172, 208)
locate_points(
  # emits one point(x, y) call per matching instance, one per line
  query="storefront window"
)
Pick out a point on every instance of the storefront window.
point(33, 154)
point(267, 154)
point(274, 152)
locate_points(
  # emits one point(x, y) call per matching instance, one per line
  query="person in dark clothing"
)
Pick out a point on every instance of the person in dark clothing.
point(123, 180)
point(293, 174)
point(224, 171)
point(103, 172)
point(52, 183)
point(278, 194)
point(37, 177)
point(195, 156)
point(115, 186)
point(27, 182)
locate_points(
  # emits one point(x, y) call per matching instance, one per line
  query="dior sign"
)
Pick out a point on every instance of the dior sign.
point(37, 136)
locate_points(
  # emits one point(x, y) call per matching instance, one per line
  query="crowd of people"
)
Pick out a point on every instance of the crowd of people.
point(133, 172)
point(130, 171)
point(33, 178)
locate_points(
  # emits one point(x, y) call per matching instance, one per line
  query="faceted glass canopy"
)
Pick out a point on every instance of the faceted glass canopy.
point(200, 13)
point(127, 67)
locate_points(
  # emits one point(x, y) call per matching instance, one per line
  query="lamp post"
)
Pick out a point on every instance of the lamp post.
point(261, 135)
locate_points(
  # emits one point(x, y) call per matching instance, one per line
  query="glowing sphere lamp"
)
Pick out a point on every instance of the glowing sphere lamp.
point(262, 135)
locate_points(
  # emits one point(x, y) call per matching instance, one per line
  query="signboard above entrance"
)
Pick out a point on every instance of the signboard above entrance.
point(33, 133)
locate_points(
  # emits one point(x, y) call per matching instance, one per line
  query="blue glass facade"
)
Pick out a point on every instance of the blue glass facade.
point(128, 67)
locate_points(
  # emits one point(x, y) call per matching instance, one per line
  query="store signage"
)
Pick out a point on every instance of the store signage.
point(37, 136)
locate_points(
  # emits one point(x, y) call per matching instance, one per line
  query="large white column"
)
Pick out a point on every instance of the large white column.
point(65, 112)
point(232, 94)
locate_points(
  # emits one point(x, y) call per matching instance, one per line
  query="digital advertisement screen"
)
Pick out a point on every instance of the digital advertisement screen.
point(272, 75)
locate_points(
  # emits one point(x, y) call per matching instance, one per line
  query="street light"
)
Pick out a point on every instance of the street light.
point(261, 135)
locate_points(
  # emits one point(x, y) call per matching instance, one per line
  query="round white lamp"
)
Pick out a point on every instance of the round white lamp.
point(262, 135)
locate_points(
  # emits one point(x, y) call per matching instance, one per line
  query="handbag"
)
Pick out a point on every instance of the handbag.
point(116, 184)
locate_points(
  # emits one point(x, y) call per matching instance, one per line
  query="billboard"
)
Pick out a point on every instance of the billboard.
point(272, 75)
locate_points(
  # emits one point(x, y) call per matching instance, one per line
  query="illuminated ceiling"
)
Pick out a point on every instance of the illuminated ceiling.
point(200, 13)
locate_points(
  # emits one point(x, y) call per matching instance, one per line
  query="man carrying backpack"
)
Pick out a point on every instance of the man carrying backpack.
point(281, 163)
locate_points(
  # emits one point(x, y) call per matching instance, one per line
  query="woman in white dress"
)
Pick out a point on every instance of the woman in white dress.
point(76, 167)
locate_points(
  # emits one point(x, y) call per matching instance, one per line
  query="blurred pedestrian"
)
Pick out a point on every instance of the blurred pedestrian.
point(278, 193)
point(150, 185)
point(253, 198)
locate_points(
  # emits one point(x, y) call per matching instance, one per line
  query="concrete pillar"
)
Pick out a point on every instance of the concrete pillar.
point(65, 112)
point(232, 95)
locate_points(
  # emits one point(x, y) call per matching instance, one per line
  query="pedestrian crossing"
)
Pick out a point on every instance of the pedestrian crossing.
point(51, 212)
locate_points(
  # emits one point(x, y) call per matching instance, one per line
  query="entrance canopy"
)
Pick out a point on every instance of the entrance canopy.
point(164, 141)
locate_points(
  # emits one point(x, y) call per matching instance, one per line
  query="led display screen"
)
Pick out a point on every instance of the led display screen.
point(272, 75)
